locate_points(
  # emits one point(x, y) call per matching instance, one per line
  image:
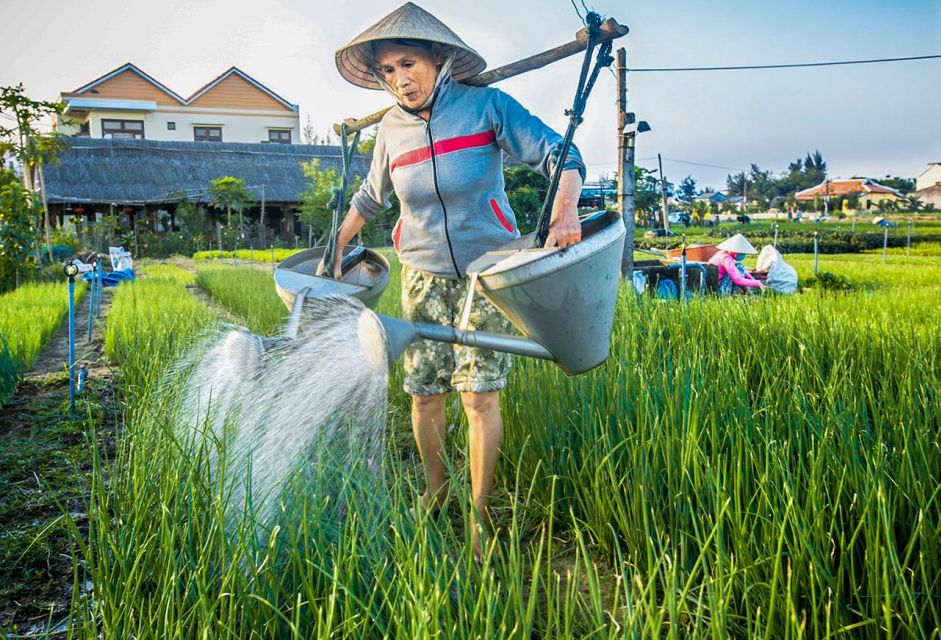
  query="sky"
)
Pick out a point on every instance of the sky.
point(867, 120)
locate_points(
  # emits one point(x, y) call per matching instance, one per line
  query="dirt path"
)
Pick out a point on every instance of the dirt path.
point(45, 464)
point(54, 357)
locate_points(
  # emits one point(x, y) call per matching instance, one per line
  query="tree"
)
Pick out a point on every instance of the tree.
point(687, 189)
point(308, 132)
point(905, 185)
point(18, 209)
point(815, 168)
point(736, 184)
point(30, 146)
point(316, 198)
point(526, 191)
point(367, 144)
point(912, 203)
point(230, 193)
point(646, 193)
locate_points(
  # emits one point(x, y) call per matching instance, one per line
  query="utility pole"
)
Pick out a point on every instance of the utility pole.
point(261, 218)
point(626, 196)
point(663, 194)
point(744, 193)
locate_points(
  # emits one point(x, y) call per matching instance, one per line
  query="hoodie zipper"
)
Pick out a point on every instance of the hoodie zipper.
point(434, 176)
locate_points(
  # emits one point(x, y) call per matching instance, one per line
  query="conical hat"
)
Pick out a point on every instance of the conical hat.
point(737, 244)
point(409, 22)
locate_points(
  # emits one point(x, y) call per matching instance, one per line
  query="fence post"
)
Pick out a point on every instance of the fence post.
point(91, 303)
point(71, 271)
point(815, 252)
point(908, 239)
point(885, 243)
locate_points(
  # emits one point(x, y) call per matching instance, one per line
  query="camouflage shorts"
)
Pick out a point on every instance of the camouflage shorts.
point(438, 367)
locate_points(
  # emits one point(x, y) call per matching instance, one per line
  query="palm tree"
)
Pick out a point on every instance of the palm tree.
point(913, 203)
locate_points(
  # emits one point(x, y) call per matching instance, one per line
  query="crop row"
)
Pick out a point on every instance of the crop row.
point(29, 315)
point(738, 468)
point(247, 293)
point(258, 255)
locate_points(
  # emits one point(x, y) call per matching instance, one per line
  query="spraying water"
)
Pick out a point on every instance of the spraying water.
point(282, 410)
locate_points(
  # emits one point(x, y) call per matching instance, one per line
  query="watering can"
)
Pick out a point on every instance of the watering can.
point(561, 300)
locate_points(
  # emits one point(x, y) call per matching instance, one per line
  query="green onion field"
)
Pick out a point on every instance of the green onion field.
point(750, 467)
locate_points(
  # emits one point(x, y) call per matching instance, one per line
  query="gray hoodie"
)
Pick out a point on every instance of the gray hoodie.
point(448, 175)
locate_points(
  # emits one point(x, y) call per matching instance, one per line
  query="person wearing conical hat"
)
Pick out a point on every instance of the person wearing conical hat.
point(440, 150)
point(731, 272)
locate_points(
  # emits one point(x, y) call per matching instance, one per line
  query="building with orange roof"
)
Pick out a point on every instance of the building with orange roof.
point(868, 191)
point(130, 104)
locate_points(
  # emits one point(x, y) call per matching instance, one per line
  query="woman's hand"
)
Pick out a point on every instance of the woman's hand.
point(564, 227)
point(564, 230)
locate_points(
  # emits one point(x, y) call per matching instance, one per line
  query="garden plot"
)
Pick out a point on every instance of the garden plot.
point(738, 468)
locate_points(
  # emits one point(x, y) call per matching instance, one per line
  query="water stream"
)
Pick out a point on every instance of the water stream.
point(285, 413)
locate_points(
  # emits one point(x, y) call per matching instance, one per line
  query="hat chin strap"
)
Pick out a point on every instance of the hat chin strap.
point(444, 74)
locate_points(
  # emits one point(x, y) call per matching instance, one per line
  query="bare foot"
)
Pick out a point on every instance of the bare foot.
point(436, 505)
point(481, 531)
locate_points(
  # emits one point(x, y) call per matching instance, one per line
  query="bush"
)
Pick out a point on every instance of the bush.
point(829, 282)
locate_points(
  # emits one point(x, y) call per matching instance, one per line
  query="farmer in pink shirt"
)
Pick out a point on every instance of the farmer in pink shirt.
point(731, 272)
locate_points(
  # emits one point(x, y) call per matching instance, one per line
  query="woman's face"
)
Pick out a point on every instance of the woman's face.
point(410, 71)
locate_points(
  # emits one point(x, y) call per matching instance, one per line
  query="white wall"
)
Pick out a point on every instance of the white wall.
point(237, 125)
point(929, 177)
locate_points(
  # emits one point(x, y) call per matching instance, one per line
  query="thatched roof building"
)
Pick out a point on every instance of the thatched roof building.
point(140, 172)
point(96, 176)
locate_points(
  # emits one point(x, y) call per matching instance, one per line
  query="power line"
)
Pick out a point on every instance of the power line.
point(698, 164)
point(785, 66)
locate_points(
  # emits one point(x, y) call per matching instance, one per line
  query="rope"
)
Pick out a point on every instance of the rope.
point(339, 199)
point(586, 81)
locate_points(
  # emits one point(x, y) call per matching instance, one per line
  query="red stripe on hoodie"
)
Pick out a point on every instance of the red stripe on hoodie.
point(444, 146)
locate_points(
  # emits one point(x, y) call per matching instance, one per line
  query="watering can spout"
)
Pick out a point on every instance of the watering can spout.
point(398, 335)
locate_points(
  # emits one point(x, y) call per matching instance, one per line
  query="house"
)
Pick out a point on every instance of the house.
point(147, 179)
point(712, 197)
point(869, 192)
point(127, 103)
point(930, 195)
point(929, 177)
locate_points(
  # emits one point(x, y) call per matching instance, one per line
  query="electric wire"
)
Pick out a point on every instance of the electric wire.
point(784, 66)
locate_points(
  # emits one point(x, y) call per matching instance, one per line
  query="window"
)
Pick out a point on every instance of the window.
point(133, 129)
point(281, 136)
point(207, 134)
point(171, 126)
point(84, 130)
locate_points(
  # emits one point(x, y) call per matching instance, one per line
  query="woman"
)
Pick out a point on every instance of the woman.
point(440, 149)
point(728, 258)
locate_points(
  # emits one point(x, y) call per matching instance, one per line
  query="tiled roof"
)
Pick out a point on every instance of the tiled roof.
point(856, 186)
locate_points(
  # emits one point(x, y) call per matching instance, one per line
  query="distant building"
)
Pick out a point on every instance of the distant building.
point(929, 177)
point(713, 197)
point(147, 179)
point(127, 103)
point(930, 195)
point(868, 191)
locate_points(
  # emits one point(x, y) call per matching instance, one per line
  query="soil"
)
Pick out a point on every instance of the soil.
point(45, 465)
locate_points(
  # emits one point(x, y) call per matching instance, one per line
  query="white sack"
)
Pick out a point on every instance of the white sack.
point(782, 277)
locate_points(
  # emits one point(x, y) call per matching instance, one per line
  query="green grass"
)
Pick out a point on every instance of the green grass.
point(168, 271)
point(247, 293)
point(258, 255)
point(749, 467)
point(29, 315)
